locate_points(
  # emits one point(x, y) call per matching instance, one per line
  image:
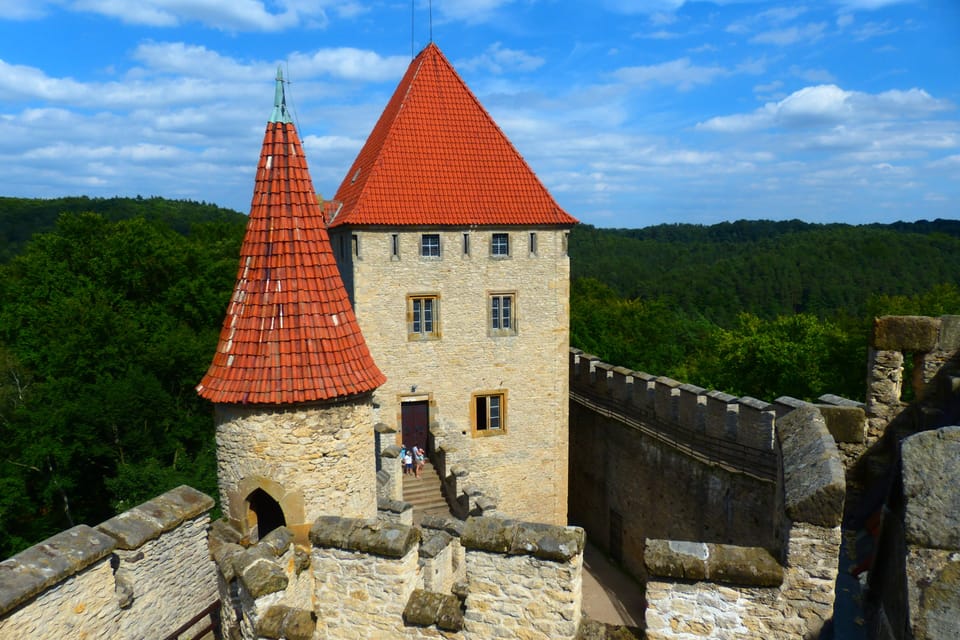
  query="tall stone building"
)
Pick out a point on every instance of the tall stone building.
point(454, 256)
point(292, 378)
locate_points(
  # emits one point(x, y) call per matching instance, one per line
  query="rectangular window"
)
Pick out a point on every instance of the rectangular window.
point(394, 245)
point(489, 413)
point(502, 314)
point(533, 243)
point(430, 245)
point(566, 241)
point(500, 244)
point(355, 241)
point(422, 317)
point(466, 244)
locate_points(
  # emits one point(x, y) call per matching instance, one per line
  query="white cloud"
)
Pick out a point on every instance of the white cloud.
point(680, 73)
point(20, 10)
point(810, 32)
point(825, 104)
point(498, 59)
point(226, 15)
point(350, 64)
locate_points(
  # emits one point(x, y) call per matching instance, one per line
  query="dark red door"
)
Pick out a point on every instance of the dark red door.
point(415, 417)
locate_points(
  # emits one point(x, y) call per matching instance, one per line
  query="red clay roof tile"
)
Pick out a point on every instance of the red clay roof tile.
point(288, 290)
point(437, 157)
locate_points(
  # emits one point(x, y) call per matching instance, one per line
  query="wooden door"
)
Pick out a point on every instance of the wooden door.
point(415, 418)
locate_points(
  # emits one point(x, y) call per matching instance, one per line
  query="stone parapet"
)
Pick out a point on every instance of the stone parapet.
point(389, 539)
point(34, 570)
point(429, 608)
point(140, 574)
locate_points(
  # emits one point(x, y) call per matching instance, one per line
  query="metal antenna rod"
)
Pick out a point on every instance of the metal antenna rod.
point(431, 20)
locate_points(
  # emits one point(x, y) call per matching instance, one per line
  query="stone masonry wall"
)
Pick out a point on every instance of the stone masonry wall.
point(311, 460)
point(368, 579)
point(659, 489)
point(522, 470)
point(141, 574)
point(708, 591)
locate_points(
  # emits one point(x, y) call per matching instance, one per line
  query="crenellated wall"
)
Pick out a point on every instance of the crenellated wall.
point(378, 579)
point(654, 458)
point(142, 574)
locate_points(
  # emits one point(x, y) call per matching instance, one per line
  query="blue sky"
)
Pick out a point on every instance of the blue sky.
point(632, 112)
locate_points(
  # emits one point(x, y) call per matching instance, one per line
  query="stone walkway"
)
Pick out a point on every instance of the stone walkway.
point(609, 594)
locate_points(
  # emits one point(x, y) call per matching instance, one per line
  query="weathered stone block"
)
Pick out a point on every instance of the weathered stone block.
point(262, 577)
point(905, 333)
point(931, 492)
point(752, 566)
point(814, 483)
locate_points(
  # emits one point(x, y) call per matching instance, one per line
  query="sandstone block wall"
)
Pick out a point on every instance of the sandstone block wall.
point(523, 469)
point(143, 573)
point(312, 460)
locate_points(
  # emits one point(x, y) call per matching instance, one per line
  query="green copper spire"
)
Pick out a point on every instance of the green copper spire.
point(280, 113)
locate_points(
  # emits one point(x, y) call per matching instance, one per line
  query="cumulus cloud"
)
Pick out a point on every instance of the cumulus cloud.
point(350, 64)
point(828, 104)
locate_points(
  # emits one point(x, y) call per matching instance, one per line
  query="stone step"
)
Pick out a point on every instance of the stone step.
point(424, 493)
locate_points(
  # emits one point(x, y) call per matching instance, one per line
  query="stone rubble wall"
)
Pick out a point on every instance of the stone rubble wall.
point(143, 573)
point(485, 578)
point(311, 460)
point(700, 590)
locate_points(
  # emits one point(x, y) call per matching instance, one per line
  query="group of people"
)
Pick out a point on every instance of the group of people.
point(412, 460)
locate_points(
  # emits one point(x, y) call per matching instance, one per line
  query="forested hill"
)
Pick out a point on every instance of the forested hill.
point(20, 218)
point(769, 268)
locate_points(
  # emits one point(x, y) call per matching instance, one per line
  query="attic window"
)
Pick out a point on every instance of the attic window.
point(355, 176)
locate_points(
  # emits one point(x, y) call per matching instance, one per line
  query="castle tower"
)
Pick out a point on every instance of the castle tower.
point(454, 255)
point(292, 377)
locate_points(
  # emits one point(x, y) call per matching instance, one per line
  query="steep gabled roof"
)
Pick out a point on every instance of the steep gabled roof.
point(437, 157)
point(289, 335)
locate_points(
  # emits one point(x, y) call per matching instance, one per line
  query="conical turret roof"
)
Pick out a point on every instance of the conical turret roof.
point(289, 335)
point(437, 157)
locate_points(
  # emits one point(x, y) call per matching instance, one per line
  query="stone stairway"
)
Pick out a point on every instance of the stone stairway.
point(424, 493)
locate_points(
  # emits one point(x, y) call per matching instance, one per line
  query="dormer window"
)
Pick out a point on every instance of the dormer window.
point(500, 244)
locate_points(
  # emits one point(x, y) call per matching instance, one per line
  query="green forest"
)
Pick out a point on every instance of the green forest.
point(110, 311)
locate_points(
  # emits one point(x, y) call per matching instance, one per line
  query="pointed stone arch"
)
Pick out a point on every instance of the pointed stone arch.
point(256, 495)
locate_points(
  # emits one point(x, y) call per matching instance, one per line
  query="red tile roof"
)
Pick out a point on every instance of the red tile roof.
point(437, 157)
point(289, 335)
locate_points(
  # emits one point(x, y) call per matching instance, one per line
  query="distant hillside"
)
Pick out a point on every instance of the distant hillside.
point(769, 268)
point(20, 218)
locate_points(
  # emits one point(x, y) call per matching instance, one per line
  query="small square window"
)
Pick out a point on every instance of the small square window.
point(503, 319)
point(500, 244)
point(489, 413)
point(430, 245)
point(423, 317)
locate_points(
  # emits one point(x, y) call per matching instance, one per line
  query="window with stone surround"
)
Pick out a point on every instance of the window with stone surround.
point(430, 245)
point(423, 322)
point(502, 314)
point(488, 413)
point(500, 245)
